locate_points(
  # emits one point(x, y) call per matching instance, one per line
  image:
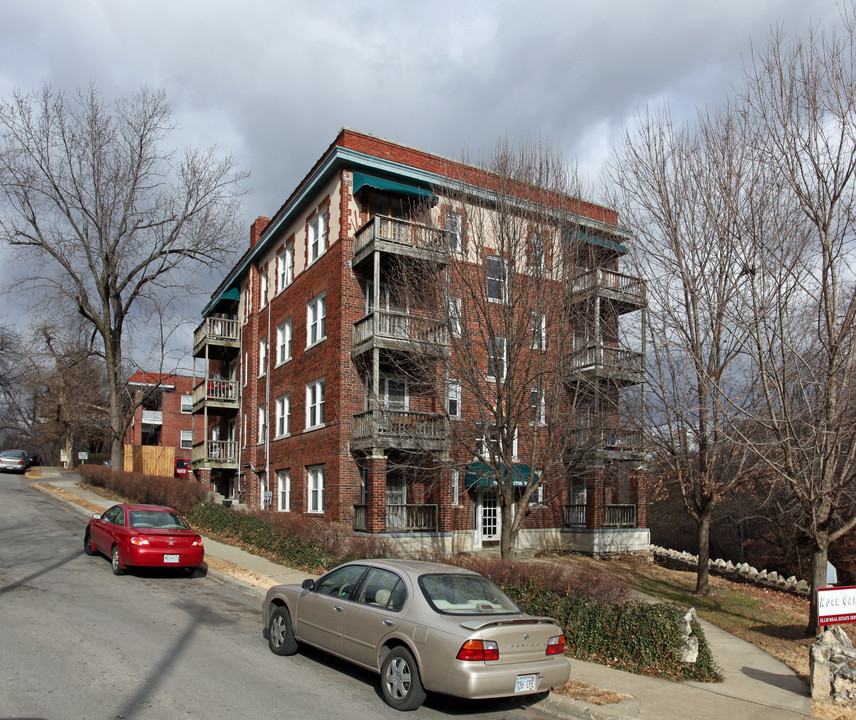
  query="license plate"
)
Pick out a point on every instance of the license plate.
point(174, 559)
point(525, 683)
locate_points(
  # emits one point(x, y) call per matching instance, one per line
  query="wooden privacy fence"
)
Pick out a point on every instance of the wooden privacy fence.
point(150, 459)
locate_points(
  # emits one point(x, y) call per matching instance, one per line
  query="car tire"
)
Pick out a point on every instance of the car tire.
point(399, 680)
point(280, 633)
point(115, 562)
point(88, 548)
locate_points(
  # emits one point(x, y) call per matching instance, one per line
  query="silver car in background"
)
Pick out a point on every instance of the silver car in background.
point(423, 627)
point(14, 461)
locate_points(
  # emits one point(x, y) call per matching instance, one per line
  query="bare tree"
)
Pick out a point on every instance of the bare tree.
point(105, 216)
point(682, 193)
point(800, 98)
point(508, 247)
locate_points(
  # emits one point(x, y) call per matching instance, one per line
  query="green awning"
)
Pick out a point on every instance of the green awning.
point(480, 474)
point(597, 240)
point(363, 180)
point(231, 294)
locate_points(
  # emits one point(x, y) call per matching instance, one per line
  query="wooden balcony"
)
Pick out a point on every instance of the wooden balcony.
point(400, 332)
point(219, 336)
point(399, 429)
point(604, 362)
point(399, 237)
point(401, 518)
point(614, 516)
point(217, 396)
point(626, 292)
point(215, 454)
point(607, 443)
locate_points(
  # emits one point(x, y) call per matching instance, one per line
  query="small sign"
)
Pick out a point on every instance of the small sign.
point(82, 455)
point(836, 605)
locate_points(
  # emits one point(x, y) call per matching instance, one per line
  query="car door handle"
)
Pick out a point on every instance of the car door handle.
point(338, 608)
point(388, 623)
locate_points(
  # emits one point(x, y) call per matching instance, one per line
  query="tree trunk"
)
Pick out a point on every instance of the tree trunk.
point(703, 571)
point(506, 537)
point(818, 578)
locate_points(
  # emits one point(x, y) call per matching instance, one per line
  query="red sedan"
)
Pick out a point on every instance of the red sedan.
point(144, 536)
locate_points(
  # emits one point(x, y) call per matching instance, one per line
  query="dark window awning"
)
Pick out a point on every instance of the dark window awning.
point(480, 474)
point(231, 294)
point(602, 241)
point(362, 180)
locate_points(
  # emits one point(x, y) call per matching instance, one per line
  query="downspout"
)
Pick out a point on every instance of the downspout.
point(265, 484)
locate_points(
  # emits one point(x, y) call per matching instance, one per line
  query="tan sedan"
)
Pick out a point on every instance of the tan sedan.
point(422, 626)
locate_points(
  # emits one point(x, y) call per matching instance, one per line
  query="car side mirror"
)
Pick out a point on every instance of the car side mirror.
point(308, 584)
point(96, 516)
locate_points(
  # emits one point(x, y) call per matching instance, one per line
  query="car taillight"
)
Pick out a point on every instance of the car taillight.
point(137, 540)
point(478, 650)
point(196, 543)
point(556, 645)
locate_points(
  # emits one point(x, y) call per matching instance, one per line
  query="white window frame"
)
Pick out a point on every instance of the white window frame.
point(263, 287)
point(283, 496)
point(283, 415)
point(315, 489)
point(453, 394)
point(538, 251)
point(245, 369)
point(539, 330)
point(491, 261)
point(492, 357)
point(316, 320)
point(262, 355)
point(455, 316)
point(453, 223)
point(186, 404)
point(283, 342)
point(315, 404)
point(538, 403)
point(285, 267)
point(456, 487)
point(316, 240)
point(262, 424)
point(186, 442)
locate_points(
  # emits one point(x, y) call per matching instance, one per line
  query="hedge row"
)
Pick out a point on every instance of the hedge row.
point(599, 625)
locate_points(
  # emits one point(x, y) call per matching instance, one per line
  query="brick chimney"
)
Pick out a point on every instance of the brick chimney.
point(257, 228)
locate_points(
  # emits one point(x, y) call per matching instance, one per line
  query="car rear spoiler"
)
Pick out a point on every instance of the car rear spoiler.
point(488, 622)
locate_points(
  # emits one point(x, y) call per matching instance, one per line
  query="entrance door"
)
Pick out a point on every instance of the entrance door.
point(396, 500)
point(490, 519)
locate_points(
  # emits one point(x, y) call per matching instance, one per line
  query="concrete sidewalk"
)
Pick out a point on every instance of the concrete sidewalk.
point(756, 685)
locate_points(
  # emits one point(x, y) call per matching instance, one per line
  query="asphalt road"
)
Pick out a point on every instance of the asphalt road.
point(78, 642)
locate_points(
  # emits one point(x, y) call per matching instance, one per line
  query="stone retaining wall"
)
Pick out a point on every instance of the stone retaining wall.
point(833, 668)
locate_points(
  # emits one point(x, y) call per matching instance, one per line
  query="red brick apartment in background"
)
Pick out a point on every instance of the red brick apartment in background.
point(292, 339)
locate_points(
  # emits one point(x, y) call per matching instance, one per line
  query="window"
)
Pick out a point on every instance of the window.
point(539, 331)
point(244, 369)
point(538, 251)
point(316, 320)
point(453, 229)
point(453, 398)
point(538, 495)
point(490, 441)
point(187, 403)
point(315, 404)
point(315, 487)
point(456, 487)
point(496, 360)
point(283, 415)
point(317, 235)
point(283, 342)
point(262, 356)
point(247, 304)
point(285, 267)
point(496, 277)
point(262, 424)
point(186, 439)
point(455, 316)
point(263, 287)
point(539, 407)
point(283, 481)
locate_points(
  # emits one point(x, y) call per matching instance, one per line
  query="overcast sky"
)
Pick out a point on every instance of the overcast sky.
point(273, 82)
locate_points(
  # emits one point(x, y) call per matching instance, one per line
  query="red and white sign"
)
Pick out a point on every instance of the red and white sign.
point(836, 605)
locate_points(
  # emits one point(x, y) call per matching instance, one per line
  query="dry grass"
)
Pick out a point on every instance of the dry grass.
point(591, 694)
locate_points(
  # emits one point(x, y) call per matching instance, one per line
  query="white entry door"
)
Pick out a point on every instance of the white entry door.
point(489, 517)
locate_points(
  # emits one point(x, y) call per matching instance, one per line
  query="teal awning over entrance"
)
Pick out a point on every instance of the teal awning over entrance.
point(363, 180)
point(479, 474)
point(602, 241)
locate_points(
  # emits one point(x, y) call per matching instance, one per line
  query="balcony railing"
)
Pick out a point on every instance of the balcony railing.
point(152, 417)
point(399, 428)
point(218, 452)
point(603, 439)
point(399, 232)
point(401, 518)
point(386, 325)
point(614, 516)
point(608, 359)
point(625, 288)
point(218, 331)
point(224, 393)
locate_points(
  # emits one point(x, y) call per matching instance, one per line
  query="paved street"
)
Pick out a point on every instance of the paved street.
point(79, 642)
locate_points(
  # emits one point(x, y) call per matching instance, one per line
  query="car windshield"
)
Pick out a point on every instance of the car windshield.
point(158, 519)
point(460, 594)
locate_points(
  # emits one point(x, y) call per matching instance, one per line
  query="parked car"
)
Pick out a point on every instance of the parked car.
point(144, 536)
point(34, 460)
point(14, 461)
point(182, 468)
point(423, 627)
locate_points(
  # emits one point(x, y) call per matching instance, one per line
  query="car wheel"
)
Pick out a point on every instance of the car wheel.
point(399, 680)
point(117, 565)
point(280, 634)
point(88, 548)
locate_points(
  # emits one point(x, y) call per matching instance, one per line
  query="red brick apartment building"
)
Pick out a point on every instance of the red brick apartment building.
point(302, 329)
point(163, 412)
